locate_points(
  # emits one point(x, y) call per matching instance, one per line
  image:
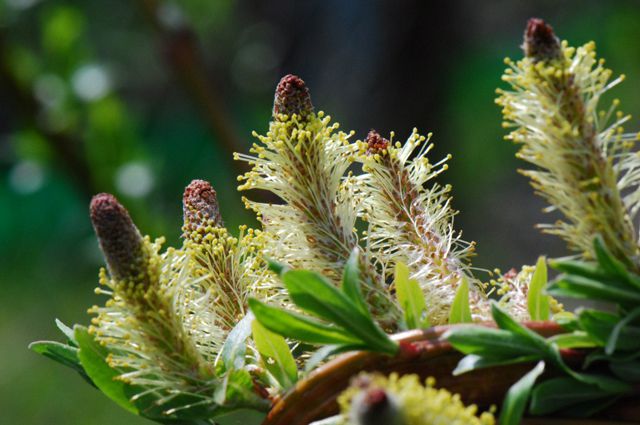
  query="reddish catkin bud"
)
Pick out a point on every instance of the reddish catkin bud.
point(375, 142)
point(200, 207)
point(292, 97)
point(374, 406)
point(119, 238)
point(540, 42)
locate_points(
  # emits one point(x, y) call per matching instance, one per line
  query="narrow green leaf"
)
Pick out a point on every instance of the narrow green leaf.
point(276, 267)
point(607, 261)
point(489, 342)
point(580, 268)
point(472, 362)
point(576, 339)
point(537, 300)
point(235, 346)
point(92, 357)
point(59, 352)
point(516, 400)
point(410, 297)
point(600, 326)
point(604, 382)
point(236, 388)
point(628, 371)
point(567, 320)
point(584, 288)
point(506, 322)
point(322, 354)
point(559, 393)
point(314, 294)
point(300, 328)
point(351, 282)
point(460, 310)
point(587, 409)
point(612, 342)
point(599, 356)
point(67, 331)
point(276, 355)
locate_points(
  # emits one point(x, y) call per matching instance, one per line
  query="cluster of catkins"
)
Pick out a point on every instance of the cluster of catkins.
point(169, 313)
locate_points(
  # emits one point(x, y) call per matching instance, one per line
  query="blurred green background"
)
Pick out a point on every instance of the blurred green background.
point(139, 97)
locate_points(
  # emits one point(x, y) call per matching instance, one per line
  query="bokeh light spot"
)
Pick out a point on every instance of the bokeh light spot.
point(91, 82)
point(26, 177)
point(134, 179)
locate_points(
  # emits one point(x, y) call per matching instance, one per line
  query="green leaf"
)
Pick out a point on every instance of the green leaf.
point(628, 371)
point(59, 352)
point(506, 322)
point(587, 409)
point(576, 339)
point(559, 393)
point(537, 300)
point(460, 311)
point(299, 327)
point(608, 262)
point(472, 362)
point(580, 268)
point(276, 355)
point(236, 388)
point(567, 320)
point(314, 294)
point(516, 400)
point(322, 354)
point(92, 357)
point(599, 356)
point(410, 297)
point(235, 346)
point(612, 342)
point(276, 267)
point(351, 282)
point(574, 286)
point(68, 332)
point(604, 382)
point(489, 342)
point(600, 326)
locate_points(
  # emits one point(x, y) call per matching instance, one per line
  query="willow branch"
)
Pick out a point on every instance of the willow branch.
point(184, 56)
point(64, 145)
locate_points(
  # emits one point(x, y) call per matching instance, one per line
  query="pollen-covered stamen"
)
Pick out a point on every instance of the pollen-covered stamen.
point(376, 143)
point(200, 207)
point(395, 400)
point(540, 42)
point(292, 97)
point(120, 239)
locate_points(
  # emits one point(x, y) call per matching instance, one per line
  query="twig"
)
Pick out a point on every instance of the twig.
point(65, 146)
point(184, 56)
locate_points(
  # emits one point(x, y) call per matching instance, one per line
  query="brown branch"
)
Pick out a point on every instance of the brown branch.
point(184, 56)
point(65, 146)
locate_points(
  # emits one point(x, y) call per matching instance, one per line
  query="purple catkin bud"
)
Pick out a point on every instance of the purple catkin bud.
point(292, 97)
point(374, 406)
point(120, 239)
point(200, 207)
point(375, 142)
point(540, 42)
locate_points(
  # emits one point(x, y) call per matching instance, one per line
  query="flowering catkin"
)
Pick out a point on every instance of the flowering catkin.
point(412, 223)
point(303, 160)
point(374, 399)
point(584, 164)
point(139, 324)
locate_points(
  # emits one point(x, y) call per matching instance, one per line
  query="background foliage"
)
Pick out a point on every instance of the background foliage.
point(97, 96)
